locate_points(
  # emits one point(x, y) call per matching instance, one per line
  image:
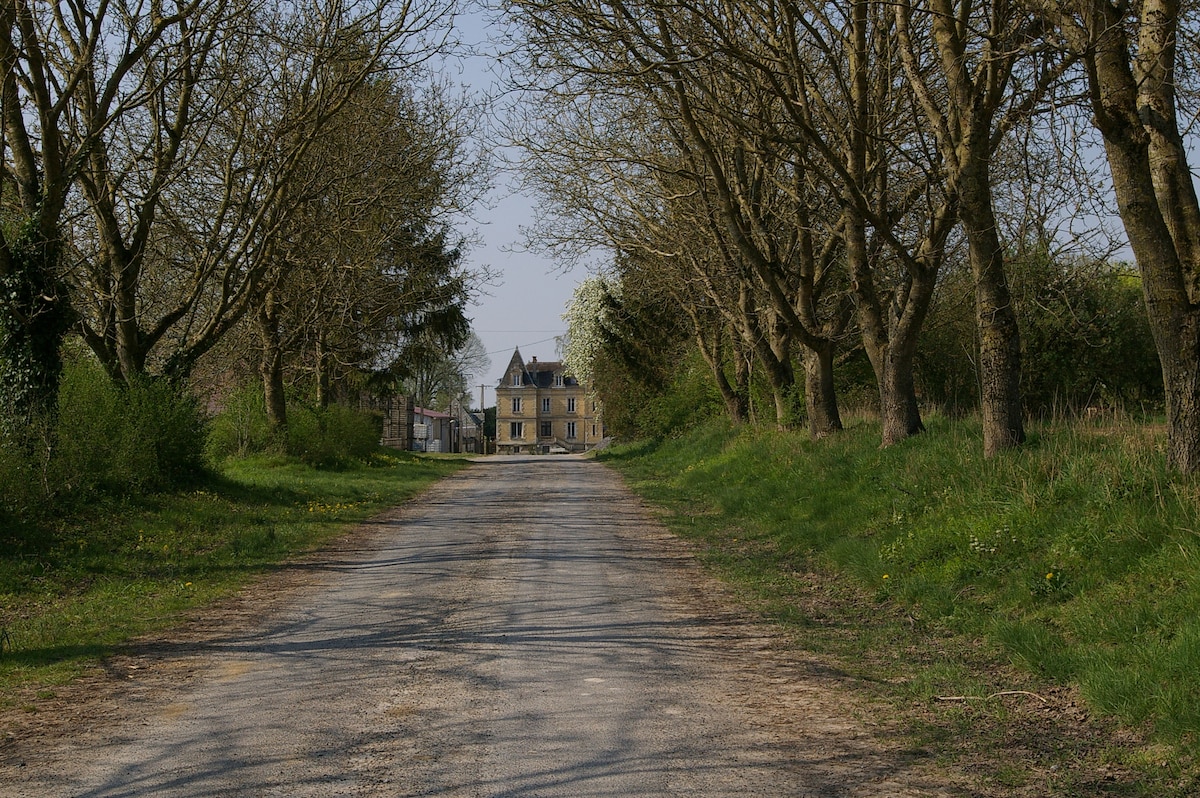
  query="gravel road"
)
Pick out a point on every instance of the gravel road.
point(523, 629)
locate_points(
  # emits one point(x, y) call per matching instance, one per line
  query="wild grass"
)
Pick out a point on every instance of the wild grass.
point(75, 588)
point(1072, 561)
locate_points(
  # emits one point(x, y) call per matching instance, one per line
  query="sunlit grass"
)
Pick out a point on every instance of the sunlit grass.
point(1074, 560)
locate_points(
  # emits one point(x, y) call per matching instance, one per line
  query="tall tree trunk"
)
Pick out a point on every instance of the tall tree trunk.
point(324, 378)
point(976, 49)
point(735, 401)
point(995, 317)
point(900, 414)
point(820, 397)
point(781, 378)
point(1155, 76)
point(35, 315)
point(891, 360)
point(1156, 216)
point(770, 343)
point(1174, 321)
point(741, 377)
point(890, 346)
point(271, 364)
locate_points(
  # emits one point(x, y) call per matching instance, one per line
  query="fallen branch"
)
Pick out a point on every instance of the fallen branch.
point(989, 697)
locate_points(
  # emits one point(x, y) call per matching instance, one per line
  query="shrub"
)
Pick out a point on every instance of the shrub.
point(167, 431)
point(20, 484)
point(325, 437)
point(331, 437)
point(241, 428)
point(1085, 339)
point(634, 407)
point(147, 435)
point(106, 439)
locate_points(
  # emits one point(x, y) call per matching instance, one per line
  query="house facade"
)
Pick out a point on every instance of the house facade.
point(540, 409)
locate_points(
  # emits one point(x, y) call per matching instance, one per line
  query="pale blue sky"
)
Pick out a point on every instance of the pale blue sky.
point(524, 308)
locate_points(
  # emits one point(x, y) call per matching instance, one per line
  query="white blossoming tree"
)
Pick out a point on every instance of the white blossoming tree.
point(587, 318)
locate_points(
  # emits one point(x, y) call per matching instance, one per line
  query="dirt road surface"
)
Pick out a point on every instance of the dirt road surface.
point(523, 629)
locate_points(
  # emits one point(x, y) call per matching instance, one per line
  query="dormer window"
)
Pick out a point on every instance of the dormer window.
point(558, 382)
point(515, 379)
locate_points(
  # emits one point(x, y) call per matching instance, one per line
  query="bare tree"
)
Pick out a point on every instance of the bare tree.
point(668, 115)
point(831, 75)
point(370, 251)
point(188, 199)
point(71, 70)
point(1130, 54)
point(990, 76)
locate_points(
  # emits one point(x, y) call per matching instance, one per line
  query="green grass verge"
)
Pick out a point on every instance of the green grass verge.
point(1068, 568)
point(75, 589)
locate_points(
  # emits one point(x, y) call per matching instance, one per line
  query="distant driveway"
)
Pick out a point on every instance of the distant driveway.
point(523, 629)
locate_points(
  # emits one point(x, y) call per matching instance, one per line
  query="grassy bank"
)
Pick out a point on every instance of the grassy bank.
point(1040, 610)
point(75, 588)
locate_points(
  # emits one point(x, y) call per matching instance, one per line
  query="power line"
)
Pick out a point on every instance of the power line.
point(532, 343)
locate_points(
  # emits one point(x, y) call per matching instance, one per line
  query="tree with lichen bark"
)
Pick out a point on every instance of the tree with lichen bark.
point(1131, 59)
point(70, 73)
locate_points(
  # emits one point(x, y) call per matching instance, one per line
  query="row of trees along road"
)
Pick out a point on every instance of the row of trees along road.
point(182, 173)
point(785, 171)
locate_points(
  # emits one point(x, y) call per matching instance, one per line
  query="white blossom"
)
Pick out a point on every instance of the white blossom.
point(587, 317)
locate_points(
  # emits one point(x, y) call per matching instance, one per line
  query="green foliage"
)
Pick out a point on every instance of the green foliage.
point(331, 437)
point(1085, 336)
point(946, 363)
point(145, 436)
point(635, 407)
point(1085, 339)
point(644, 367)
point(105, 439)
point(241, 428)
point(1074, 558)
point(22, 489)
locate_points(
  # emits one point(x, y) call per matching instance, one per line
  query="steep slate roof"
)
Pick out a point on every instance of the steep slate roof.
point(514, 363)
point(535, 372)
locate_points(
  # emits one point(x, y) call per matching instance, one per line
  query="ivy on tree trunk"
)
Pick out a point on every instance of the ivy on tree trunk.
point(35, 315)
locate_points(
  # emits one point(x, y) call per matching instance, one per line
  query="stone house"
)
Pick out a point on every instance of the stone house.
point(540, 409)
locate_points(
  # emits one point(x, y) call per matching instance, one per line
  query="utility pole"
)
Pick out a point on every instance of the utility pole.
point(482, 420)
